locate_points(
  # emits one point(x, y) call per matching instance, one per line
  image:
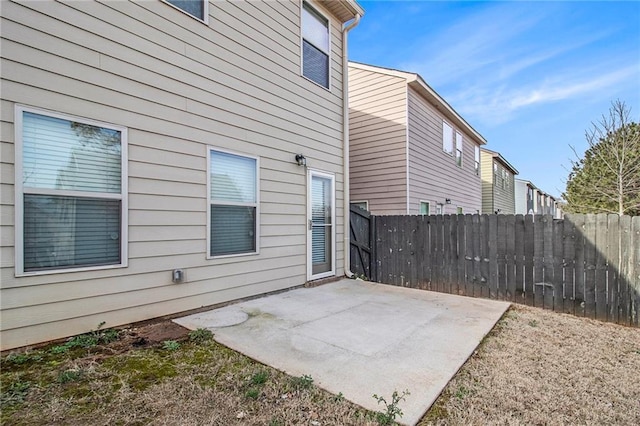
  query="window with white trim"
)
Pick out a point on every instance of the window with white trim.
point(458, 149)
point(439, 208)
point(424, 207)
point(233, 204)
point(315, 45)
point(195, 8)
point(459, 210)
point(476, 156)
point(447, 138)
point(70, 193)
point(495, 174)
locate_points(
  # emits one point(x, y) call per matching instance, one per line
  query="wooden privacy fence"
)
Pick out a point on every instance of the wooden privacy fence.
point(586, 265)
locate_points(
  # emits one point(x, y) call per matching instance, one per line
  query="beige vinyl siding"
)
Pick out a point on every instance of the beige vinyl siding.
point(377, 138)
point(486, 172)
point(433, 174)
point(179, 86)
point(496, 195)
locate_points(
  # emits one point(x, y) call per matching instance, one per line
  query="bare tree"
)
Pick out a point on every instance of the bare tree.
point(607, 178)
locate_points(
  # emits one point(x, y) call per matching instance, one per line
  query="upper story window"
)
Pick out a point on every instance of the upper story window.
point(70, 193)
point(315, 45)
point(447, 138)
point(233, 204)
point(195, 8)
point(495, 174)
point(458, 149)
point(476, 156)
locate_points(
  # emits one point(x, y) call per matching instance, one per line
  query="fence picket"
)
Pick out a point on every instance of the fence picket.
point(558, 265)
point(519, 258)
point(579, 223)
point(590, 267)
point(613, 267)
point(587, 265)
point(601, 250)
point(634, 272)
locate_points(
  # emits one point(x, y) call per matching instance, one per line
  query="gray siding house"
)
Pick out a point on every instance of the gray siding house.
point(160, 156)
point(532, 200)
point(410, 151)
point(498, 183)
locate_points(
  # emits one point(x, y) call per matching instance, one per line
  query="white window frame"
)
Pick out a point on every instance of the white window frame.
point(459, 210)
point(209, 256)
point(448, 151)
point(329, 26)
point(420, 207)
point(476, 156)
point(205, 11)
point(20, 191)
point(459, 148)
point(439, 209)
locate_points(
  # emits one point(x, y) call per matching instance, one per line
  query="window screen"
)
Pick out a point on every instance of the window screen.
point(315, 46)
point(72, 193)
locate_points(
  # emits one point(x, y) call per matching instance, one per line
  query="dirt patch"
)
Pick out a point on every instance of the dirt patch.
point(539, 367)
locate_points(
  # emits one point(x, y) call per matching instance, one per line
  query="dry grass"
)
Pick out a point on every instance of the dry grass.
point(197, 384)
point(542, 368)
point(536, 367)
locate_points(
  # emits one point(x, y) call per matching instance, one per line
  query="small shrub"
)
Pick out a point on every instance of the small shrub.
point(200, 335)
point(302, 382)
point(260, 378)
point(22, 358)
point(392, 411)
point(15, 393)
point(170, 345)
point(252, 393)
point(339, 397)
point(59, 349)
point(69, 376)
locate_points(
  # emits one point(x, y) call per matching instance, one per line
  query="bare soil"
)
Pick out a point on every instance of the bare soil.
point(535, 368)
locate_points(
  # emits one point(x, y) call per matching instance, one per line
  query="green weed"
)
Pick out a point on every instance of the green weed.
point(200, 335)
point(392, 411)
point(170, 345)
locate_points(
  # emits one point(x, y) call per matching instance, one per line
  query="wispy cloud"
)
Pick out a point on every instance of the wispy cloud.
point(493, 105)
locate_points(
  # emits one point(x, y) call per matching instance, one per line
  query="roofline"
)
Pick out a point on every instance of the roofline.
point(353, 7)
point(428, 93)
point(528, 182)
point(344, 10)
point(502, 159)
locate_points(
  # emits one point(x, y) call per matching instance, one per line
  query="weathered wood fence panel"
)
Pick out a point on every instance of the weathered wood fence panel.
point(586, 265)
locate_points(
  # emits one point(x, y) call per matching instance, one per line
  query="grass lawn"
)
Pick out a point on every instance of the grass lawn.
point(535, 367)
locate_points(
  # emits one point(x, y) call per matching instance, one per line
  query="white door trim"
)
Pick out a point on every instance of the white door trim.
point(310, 276)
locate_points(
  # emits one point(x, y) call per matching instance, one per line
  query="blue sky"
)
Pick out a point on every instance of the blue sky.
point(529, 76)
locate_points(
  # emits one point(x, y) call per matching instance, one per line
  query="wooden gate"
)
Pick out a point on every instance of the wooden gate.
point(362, 226)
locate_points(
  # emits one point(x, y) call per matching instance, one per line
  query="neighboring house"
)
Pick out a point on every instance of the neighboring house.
point(150, 157)
point(532, 200)
point(498, 188)
point(410, 151)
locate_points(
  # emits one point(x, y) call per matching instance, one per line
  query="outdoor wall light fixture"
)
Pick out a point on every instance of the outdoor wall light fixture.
point(447, 200)
point(301, 160)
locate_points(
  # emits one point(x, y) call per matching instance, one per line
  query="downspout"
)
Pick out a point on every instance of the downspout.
point(345, 145)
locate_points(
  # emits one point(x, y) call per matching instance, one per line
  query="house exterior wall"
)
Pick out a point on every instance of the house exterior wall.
point(486, 172)
point(523, 198)
point(377, 141)
point(179, 86)
point(434, 175)
point(497, 190)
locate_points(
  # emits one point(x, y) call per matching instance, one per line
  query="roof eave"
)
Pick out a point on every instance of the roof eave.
point(344, 10)
point(443, 106)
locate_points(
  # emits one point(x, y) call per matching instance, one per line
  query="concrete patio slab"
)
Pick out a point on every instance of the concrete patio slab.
point(359, 338)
